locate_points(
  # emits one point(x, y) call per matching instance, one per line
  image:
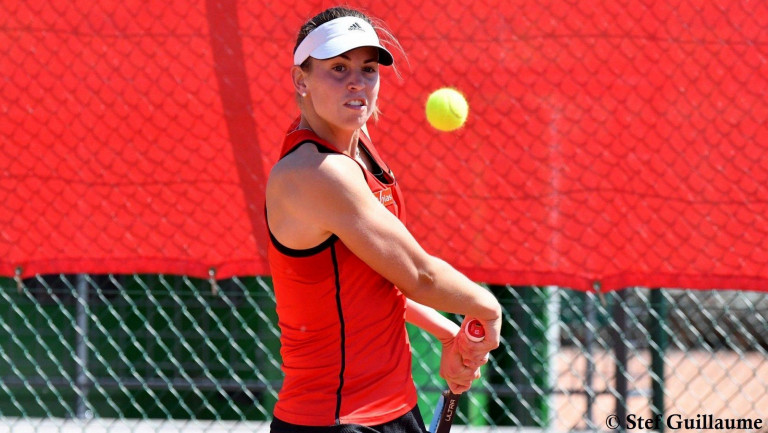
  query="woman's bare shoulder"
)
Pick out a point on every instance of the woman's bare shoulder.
point(308, 165)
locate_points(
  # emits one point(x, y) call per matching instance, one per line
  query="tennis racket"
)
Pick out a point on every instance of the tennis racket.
point(447, 405)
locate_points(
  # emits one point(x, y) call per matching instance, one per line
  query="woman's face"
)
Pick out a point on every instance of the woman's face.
point(343, 90)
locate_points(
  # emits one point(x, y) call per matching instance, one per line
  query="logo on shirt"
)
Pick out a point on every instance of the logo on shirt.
point(385, 196)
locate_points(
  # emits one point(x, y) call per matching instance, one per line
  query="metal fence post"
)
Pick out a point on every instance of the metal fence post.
point(620, 350)
point(81, 348)
point(553, 347)
point(589, 340)
point(659, 337)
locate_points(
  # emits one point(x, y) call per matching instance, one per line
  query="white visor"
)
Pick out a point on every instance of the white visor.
point(337, 37)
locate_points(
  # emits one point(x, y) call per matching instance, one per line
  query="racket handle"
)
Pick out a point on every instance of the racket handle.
point(475, 331)
point(448, 412)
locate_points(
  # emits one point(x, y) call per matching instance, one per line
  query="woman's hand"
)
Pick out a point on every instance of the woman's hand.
point(475, 354)
point(452, 366)
point(461, 359)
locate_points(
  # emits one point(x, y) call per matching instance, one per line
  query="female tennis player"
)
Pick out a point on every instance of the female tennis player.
point(346, 271)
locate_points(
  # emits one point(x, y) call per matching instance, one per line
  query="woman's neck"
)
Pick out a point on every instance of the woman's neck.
point(345, 141)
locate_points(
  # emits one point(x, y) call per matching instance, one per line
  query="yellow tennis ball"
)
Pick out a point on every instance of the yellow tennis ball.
point(447, 109)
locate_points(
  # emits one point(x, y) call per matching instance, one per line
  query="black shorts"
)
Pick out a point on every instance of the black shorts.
point(411, 422)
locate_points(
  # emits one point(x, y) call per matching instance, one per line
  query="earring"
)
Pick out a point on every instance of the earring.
point(303, 94)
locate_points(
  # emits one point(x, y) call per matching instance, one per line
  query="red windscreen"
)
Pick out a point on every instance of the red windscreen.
point(624, 143)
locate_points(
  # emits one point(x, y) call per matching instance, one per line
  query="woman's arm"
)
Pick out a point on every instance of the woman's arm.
point(431, 321)
point(453, 367)
point(328, 193)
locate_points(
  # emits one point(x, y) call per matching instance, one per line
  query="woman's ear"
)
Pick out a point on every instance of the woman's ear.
point(299, 80)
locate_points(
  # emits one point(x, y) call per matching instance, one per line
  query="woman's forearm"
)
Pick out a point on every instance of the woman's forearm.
point(430, 320)
point(444, 288)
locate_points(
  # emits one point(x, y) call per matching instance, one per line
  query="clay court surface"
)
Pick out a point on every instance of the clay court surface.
point(724, 384)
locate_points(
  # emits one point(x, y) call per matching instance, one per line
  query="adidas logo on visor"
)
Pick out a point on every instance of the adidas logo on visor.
point(356, 26)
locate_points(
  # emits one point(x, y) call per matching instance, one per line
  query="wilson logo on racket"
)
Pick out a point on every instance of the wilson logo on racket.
point(385, 196)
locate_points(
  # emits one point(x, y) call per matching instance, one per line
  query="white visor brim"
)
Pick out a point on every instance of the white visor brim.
point(337, 37)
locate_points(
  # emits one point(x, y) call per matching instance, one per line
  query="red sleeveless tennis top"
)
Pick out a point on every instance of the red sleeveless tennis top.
point(345, 351)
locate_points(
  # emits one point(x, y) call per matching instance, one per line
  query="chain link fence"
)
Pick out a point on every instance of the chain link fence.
point(154, 347)
point(615, 141)
point(606, 139)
